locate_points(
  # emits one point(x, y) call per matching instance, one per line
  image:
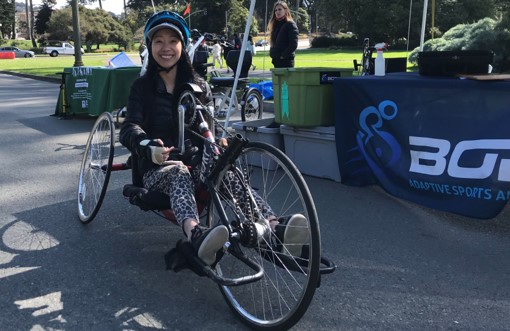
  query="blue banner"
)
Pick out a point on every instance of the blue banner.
point(440, 142)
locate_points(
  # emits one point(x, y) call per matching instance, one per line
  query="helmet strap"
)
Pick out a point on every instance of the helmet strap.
point(167, 70)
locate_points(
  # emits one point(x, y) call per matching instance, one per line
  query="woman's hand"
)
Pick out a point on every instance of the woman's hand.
point(155, 150)
point(223, 142)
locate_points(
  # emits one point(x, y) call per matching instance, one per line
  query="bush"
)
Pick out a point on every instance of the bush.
point(334, 42)
point(23, 44)
point(485, 34)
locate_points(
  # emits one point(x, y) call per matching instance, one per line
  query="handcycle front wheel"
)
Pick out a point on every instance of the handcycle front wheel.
point(96, 167)
point(282, 296)
point(252, 105)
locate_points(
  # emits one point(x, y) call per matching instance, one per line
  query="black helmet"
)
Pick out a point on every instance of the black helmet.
point(168, 20)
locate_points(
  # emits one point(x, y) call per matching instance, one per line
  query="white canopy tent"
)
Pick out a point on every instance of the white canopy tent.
point(423, 22)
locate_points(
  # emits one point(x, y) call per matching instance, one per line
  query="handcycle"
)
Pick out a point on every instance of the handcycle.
point(248, 101)
point(265, 285)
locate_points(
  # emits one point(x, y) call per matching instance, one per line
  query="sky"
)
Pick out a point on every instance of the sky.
point(115, 6)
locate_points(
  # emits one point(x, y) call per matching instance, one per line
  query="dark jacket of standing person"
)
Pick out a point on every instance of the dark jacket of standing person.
point(284, 36)
point(237, 41)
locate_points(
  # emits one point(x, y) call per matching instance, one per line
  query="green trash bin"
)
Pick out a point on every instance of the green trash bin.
point(303, 97)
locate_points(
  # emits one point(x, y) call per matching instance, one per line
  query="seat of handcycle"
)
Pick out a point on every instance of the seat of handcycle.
point(154, 200)
point(233, 59)
point(140, 196)
point(145, 199)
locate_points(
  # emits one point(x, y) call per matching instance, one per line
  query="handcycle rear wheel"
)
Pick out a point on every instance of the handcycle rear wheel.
point(96, 167)
point(282, 296)
point(252, 105)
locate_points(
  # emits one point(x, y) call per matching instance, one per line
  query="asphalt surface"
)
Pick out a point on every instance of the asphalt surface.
point(400, 266)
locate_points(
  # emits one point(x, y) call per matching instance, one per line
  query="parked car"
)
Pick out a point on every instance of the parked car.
point(261, 42)
point(56, 48)
point(17, 52)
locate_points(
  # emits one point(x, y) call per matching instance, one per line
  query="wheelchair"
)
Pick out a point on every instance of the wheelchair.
point(265, 285)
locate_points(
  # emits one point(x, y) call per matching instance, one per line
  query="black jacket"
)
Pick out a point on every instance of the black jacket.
point(284, 40)
point(151, 114)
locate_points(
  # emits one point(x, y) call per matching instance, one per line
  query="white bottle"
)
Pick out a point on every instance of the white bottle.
point(380, 64)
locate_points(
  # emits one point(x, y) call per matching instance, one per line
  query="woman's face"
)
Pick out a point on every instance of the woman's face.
point(279, 11)
point(166, 47)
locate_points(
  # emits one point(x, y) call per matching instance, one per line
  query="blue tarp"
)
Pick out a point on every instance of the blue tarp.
point(265, 88)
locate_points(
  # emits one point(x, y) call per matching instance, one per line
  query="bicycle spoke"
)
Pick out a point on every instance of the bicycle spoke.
point(281, 297)
point(95, 168)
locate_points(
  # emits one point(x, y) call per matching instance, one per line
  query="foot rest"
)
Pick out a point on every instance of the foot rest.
point(146, 200)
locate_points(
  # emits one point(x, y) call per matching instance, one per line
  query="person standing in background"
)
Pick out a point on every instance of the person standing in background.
point(237, 41)
point(251, 48)
point(283, 36)
point(141, 50)
point(216, 54)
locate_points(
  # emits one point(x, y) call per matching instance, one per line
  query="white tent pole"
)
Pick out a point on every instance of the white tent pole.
point(423, 23)
point(240, 63)
point(409, 24)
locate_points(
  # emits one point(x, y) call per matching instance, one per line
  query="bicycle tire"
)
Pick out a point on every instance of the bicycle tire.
point(282, 296)
point(252, 105)
point(96, 168)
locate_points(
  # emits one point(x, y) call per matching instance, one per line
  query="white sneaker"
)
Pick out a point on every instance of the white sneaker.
point(207, 243)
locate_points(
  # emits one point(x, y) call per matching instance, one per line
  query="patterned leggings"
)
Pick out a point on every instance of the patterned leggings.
point(176, 181)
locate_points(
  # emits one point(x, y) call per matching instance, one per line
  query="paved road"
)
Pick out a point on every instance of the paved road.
point(400, 266)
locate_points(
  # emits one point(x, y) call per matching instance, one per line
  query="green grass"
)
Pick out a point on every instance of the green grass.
point(328, 58)
point(44, 65)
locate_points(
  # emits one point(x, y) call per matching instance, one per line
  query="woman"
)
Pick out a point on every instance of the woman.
point(284, 36)
point(150, 132)
point(151, 127)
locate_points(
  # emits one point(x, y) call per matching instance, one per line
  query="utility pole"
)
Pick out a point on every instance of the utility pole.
point(32, 21)
point(76, 29)
point(27, 13)
point(13, 34)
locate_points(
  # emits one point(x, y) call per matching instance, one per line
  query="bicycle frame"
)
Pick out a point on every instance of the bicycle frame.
point(224, 99)
point(224, 160)
point(366, 61)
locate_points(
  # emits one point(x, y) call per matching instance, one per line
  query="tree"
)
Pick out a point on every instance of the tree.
point(167, 4)
point(7, 10)
point(485, 34)
point(96, 27)
point(30, 21)
point(88, 2)
point(449, 13)
point(227, 17)
point(302, 20)
point(43, 16)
